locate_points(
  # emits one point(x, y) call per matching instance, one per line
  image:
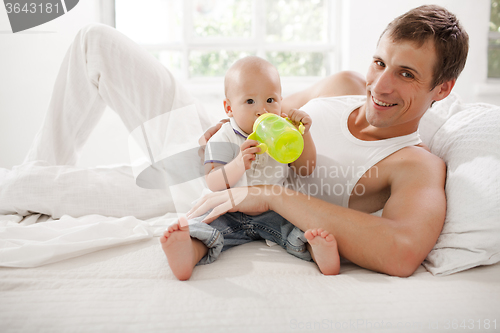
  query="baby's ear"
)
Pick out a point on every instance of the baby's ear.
point(227, 108)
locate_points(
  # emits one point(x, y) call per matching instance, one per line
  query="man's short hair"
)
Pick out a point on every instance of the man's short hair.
point(451, 41)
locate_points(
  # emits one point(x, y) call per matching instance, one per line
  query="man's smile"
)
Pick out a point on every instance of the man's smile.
point(383, 104)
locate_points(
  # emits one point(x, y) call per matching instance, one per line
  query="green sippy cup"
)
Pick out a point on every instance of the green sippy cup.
point(278, 137)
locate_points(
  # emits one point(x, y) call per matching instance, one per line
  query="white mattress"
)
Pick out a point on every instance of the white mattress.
point(252, 288)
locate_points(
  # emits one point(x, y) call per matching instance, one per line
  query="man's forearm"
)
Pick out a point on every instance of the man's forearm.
point(373, 242)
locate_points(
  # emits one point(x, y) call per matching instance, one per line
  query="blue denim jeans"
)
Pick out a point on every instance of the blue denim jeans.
point(232, 229)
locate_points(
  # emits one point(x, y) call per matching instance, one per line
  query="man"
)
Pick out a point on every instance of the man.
point(417, 61)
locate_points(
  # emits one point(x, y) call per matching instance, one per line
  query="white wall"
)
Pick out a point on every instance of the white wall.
point(29, 63)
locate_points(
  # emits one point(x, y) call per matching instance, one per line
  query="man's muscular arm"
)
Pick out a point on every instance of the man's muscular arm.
point(395, 244)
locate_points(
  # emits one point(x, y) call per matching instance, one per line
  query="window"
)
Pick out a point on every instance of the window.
point(202, 38)
point(494, 41)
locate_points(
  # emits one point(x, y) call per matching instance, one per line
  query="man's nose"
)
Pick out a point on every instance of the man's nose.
point(383, 83)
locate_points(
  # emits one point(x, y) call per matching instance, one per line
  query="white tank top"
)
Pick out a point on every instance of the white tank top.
point(342, 159)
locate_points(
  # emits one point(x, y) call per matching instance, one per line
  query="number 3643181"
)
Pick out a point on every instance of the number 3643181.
point(32, 8)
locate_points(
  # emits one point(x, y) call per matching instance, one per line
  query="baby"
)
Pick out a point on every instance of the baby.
point(252, 88)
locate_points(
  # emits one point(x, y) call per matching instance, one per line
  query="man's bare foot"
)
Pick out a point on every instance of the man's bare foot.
point(324, 251)
point(178, 247)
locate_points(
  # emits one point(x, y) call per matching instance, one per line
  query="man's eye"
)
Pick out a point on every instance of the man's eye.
point(380, 63)
point(407, 75)
point(270, 100)
point(250, 101)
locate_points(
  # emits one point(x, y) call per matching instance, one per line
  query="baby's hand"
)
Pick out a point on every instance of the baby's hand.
point(248, 150)
point(299, 116)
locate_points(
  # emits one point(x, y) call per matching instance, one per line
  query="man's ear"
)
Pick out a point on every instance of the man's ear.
point(227, 108)
point(444, 89)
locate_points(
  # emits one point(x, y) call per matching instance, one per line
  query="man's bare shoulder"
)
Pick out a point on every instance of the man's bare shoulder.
point(339, 84)
point(403, 173)
point(416, 154)
point(417, 161)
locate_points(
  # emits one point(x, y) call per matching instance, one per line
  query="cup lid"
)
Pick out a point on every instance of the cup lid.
point(261, 118)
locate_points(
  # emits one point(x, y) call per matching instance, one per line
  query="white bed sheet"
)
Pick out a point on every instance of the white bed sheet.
point(37, 240)
point(251, 288)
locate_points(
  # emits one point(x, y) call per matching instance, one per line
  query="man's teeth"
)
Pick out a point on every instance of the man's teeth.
point(381, 103)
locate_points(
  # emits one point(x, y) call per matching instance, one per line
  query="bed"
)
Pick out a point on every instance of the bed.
point(98, 273)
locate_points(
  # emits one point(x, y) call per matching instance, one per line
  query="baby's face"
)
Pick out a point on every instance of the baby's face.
point(253, 95)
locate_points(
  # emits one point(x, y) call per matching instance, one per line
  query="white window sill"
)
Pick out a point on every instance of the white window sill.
point(488, 92)
point(489, 88)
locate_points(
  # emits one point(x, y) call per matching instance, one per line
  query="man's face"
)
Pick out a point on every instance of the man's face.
point(398, 84)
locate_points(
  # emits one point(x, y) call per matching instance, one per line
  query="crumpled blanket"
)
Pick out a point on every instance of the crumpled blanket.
point(37, 240)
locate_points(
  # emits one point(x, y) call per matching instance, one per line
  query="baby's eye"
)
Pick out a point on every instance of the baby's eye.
point(250, 101)
point(270, 100)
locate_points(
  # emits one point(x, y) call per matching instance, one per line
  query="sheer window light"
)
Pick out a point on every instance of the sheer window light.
point(494, 41)
point(202, 38)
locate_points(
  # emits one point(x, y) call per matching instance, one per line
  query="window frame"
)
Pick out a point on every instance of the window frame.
point(492, 35)
point(191, 43)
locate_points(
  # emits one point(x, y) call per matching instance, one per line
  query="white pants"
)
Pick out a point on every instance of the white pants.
point(102, 67)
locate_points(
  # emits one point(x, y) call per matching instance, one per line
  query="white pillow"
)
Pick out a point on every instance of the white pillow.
point(469, 143)
point(437, 115)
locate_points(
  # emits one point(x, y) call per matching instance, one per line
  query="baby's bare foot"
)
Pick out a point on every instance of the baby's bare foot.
point(178, 247)
point(324, 250)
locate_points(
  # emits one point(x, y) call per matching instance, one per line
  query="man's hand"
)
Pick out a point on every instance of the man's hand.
point(297, 117)
point(202, 141)
point(249, 200)
point(210, 132)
